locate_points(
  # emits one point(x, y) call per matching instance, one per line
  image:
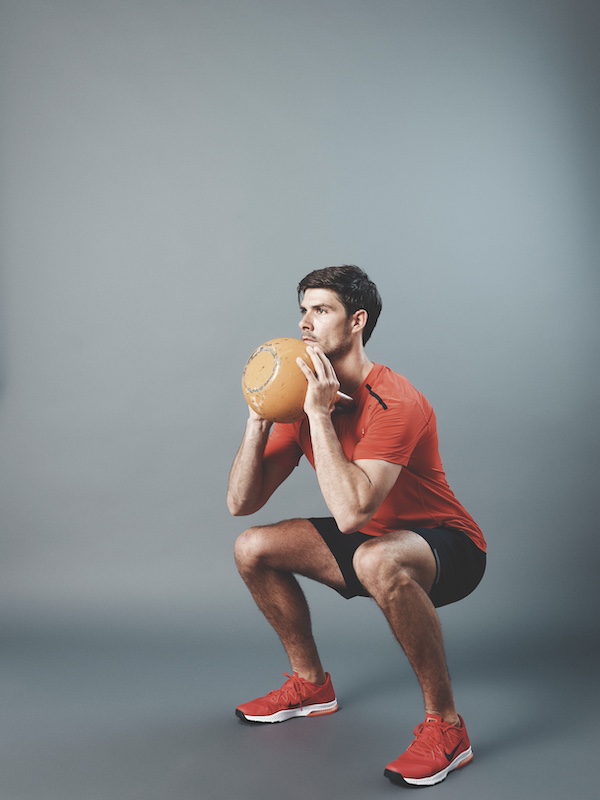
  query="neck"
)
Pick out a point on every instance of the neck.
point(352, 369)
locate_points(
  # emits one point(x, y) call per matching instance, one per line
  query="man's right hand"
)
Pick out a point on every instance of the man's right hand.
point(255, 416)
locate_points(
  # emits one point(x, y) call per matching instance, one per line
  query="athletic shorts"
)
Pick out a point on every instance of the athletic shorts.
point(460, 563)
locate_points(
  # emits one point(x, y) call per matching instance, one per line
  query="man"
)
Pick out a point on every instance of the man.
point(396, 534)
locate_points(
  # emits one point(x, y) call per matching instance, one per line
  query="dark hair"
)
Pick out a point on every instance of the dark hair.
point(354, 288)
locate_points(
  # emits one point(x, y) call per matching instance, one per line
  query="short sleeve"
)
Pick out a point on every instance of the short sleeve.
point(391, 434)
point(282, 446)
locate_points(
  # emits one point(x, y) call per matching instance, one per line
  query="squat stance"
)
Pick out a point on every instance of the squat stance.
point(396, 531)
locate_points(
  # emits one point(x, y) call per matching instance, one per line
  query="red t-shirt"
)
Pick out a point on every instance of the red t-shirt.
point(392, 422)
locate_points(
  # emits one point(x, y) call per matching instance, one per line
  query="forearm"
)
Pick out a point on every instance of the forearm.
point(244, 492)
point(346, 488)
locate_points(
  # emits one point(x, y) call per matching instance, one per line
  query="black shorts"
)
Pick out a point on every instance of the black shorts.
point(460, 563)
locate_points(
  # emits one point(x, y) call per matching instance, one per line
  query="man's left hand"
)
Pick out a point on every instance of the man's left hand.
point(323, 385)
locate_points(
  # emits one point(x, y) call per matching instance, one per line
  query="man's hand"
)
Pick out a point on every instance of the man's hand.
point(254, 415)
point(323, 385)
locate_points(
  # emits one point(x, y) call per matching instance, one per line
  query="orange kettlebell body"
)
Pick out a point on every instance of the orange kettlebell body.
point(273, 384)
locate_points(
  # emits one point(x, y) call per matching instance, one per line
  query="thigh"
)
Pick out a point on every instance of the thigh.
point(294, 545)
point(460, 564)
point(383, 557)
point(343, 547)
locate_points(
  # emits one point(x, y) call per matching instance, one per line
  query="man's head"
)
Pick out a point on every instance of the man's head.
point(354, 289)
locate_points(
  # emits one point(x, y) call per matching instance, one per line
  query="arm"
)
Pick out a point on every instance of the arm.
point(353, 491)
point(252, 481)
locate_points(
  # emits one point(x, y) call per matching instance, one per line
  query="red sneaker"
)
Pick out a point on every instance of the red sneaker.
point(296, 698)
point(437, 749)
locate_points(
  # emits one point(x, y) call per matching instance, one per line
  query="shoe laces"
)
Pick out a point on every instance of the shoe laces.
point(291, 691)
point(429, 738)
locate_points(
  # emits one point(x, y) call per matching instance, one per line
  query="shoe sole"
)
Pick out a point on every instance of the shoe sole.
point(316, 710)
point(461, 760)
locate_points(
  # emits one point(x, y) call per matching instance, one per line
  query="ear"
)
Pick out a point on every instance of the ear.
point(359, 320)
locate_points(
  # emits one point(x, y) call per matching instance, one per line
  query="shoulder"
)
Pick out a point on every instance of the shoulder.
point(394, 388)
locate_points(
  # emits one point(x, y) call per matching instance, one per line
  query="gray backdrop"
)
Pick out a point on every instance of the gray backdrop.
point(168, 172)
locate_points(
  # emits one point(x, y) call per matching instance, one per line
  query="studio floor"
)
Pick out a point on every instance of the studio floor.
point(118, 712)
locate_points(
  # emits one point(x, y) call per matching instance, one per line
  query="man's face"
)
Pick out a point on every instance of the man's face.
point(324, 322)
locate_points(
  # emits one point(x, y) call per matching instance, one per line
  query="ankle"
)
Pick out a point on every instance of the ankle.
point(453, 720)
point(316, 678)
point(448, 718)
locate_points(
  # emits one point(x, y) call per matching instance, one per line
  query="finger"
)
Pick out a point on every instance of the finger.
point(327, 365)
point(317, 357)
point(253, 414)
point(305, 368)
point(328, 372)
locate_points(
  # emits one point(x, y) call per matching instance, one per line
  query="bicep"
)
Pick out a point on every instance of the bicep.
point(382, 476)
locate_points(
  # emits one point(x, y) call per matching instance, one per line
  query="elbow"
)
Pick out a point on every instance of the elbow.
point(237, 508)
point(353, 518)
point(348, 528)
point(238, 512)
point(233, 509)
point(350, 522)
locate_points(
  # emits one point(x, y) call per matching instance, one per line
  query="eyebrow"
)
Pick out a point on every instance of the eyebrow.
point(316, 305)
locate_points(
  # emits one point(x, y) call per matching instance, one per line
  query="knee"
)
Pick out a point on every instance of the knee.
point(378, 571)
point(250, 548)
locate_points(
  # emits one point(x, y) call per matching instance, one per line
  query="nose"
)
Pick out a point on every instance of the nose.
point(304, 323)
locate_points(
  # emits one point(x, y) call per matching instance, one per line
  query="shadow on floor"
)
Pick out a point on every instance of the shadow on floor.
point(105, 714)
